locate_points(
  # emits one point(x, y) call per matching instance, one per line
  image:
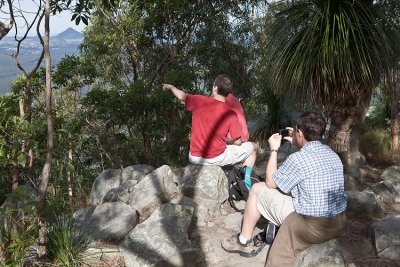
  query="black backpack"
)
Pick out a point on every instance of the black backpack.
point(237, 188)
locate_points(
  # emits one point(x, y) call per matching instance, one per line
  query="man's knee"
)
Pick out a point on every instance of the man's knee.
point(257, 188)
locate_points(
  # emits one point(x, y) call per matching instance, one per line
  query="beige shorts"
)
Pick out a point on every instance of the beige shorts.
point(233, 154)
point(274, 205)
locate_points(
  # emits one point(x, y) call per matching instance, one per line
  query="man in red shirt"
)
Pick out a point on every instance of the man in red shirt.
point(212, 120)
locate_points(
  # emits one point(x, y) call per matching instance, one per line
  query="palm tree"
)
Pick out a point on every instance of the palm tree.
point(331, 52)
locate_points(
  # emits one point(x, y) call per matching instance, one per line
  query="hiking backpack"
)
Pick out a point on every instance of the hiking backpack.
point(238, 186)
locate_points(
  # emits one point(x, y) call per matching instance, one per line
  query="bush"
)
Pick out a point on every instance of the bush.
point(64, 246)
point(375, 145)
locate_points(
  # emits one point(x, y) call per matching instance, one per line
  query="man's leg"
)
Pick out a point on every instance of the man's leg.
point(251, 214)
point(242, 243)
point(251, 160)
point(300, 232)
point(272, 204)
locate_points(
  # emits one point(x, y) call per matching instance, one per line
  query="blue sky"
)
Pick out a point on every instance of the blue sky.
point(58, 23)
point(61, 22)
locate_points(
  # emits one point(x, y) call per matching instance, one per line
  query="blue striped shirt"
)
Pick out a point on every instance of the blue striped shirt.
point(314, 176)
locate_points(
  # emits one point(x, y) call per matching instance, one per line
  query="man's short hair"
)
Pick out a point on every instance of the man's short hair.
point(224, 84)
point(312, 125)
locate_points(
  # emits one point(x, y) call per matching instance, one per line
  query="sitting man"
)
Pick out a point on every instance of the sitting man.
point(212, 120)
point(304, 196)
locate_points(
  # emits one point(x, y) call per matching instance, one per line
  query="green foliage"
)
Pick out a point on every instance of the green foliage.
point(18, 227)
point(334, 49)
point(64, 246)
point(375, 146)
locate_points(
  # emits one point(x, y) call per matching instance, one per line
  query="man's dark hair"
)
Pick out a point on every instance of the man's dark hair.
point(224, 84)
point(312, 125)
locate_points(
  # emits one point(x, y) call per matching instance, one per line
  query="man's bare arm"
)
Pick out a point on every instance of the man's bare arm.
point(181, 95)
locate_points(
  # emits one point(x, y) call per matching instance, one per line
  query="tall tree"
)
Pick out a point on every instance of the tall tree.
point(332, 52)
point(43, 181)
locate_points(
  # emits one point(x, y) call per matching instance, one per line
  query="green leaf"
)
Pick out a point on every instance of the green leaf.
point(70, 167)
point(21, 159)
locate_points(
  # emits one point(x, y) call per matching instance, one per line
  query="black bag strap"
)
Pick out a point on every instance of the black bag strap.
point(232, 203)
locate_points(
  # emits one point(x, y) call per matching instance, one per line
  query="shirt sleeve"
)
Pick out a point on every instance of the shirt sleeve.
point(235, 105)
point(190, 102)
point(235, 129)
point(288, 174)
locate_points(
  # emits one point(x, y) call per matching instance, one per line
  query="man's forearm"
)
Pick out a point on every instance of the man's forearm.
point(272, 166)
point(179, 94)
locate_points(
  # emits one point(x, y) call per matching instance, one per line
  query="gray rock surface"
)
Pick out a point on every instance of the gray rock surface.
point(327, 254)
point(205, 184)
point(387, 237)
point(163, 235)
point(109, 222)
point(103, 183)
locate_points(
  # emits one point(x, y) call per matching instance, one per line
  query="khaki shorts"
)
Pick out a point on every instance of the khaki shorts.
point(233, 154)
point(274, 205)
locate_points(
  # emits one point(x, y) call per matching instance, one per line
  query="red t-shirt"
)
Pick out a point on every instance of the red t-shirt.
point(235, 105)
point(211, 122)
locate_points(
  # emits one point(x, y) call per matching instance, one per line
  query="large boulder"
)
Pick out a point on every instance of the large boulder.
point(153, 189)
point(391, 175)
point(387, 237)
point(327, 254)
point(103, 183)
point(205, 184)
point(162, 236)
point(365, 203)
point(114, 178)
point(109, 222)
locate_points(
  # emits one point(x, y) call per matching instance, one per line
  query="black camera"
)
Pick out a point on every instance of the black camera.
point(284, 132)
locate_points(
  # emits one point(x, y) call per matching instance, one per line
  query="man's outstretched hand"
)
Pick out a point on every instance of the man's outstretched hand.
point(177, 93)
point(167, 87)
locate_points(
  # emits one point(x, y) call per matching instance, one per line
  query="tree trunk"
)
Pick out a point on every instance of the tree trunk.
point(346, 123)
point(394, 114)
point(42, 188)
point(69, 174)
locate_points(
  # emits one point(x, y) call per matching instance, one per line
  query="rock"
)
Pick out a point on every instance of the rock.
point(327, 254)
point(360, 160)
point(120, 193)
point(155, 188)
point(350, 184)
point(205, 184)
point(387, 191)
point(163, 235)
point(108, 222)
point(365, 203)
point(135, 172)
point(387, 237)
point(354, 171)
point(144, 196)
point(114, 178)
point(103, 183)
point(392, 175)
point(232, 221)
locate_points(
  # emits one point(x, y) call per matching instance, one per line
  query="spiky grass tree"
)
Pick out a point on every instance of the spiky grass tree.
point(331, 52)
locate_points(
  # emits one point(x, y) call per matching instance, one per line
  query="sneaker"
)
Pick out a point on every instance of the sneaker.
point(233, 245)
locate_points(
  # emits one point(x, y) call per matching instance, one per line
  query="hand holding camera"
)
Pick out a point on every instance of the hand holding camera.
point(284, 132)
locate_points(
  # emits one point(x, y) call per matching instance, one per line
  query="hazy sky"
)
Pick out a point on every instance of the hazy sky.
point(58, 22)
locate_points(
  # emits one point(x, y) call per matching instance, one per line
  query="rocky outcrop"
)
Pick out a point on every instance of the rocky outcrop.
point(183, 217)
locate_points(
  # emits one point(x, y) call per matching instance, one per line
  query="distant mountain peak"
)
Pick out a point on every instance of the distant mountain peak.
point(70, 33)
